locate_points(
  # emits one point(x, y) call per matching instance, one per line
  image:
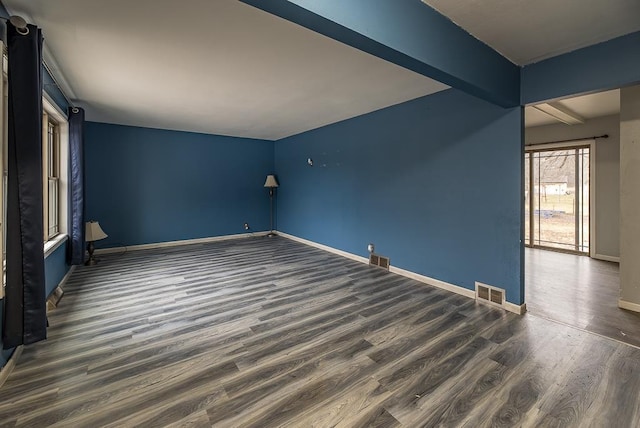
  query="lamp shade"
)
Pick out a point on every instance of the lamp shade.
point(93, 231)
point(271, 181)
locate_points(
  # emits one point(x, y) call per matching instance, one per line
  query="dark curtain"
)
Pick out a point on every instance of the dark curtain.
point(25, 307)
point(76, 186)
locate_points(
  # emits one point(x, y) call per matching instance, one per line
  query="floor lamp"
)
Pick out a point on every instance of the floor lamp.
point(271, 183)
point(93, 232)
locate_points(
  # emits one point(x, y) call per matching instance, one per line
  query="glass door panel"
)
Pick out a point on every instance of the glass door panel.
point(583, 213)
point(557, 198)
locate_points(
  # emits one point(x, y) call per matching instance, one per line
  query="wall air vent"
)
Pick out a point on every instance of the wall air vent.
point(489, 294)
point(380, 261)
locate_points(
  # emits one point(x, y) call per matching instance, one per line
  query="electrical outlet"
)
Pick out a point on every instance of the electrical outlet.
point(246, 226)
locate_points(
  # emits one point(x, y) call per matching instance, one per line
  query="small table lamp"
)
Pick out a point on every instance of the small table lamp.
point(271, 183)
point(93, 232)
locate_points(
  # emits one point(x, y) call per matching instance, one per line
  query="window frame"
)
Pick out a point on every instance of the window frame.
point(53, 112)
point(50, 171)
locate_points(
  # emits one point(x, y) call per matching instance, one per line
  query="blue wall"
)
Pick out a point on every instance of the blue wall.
point(148, 185)
point(608, 65)
point(434, 183)
point(56, 267)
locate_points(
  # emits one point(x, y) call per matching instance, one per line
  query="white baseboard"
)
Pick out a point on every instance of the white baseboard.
point(326, 248)
point(178, 243)
point(11, 364)
point(511, 307)
point(516, 309)
point(606, 258)
point(434, 282)
point(628, 305)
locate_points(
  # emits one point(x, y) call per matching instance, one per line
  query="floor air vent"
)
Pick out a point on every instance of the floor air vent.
point(488, 294)
point(377, 260)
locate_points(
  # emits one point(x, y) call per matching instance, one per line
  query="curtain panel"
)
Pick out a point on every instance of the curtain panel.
point(76, 186)
point(25, 319)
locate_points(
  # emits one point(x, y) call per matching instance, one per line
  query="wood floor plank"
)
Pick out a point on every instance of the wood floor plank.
point(301, 402)
point(349, 404)
point(566, 402)
point(264, 332)
point(469, 391)
point(529, 378)
point(579, 291)
point(616, 402)
point(195, 420)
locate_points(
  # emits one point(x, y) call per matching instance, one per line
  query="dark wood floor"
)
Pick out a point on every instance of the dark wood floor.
point(578, 291)
point(267, 332)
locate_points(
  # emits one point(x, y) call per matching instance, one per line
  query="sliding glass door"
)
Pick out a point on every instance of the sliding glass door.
point(557, 198)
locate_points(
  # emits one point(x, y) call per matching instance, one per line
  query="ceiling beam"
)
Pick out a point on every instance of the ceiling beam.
point(607, 65)
point(412, 35)
point(560, 113)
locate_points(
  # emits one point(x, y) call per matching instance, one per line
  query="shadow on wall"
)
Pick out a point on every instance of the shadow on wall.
point(435, 183)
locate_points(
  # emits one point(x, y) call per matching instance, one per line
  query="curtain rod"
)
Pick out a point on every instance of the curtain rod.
point(595, 137)
point(18, 22)
point(57, 85)
point(21, 25)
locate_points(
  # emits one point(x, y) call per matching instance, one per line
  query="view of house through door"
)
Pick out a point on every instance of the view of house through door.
point(557, 198)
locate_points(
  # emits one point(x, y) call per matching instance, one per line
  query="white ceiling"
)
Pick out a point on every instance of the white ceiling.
point(585, 106)
point(211, 66)
point(527, 31)
point(223, 67)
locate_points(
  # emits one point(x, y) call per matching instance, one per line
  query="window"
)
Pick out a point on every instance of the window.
point(51, 177)
point(55, 165)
